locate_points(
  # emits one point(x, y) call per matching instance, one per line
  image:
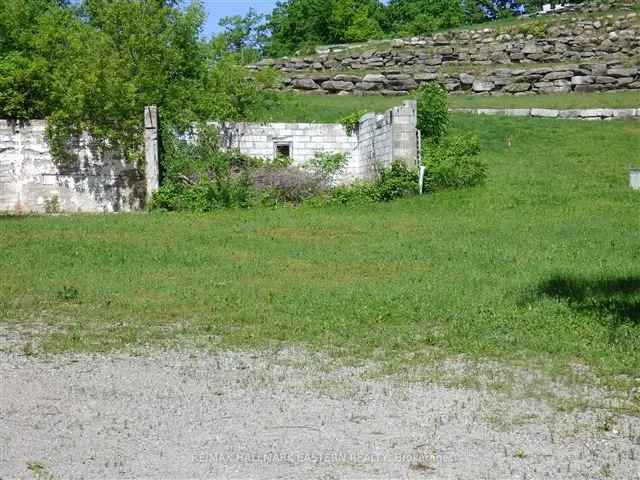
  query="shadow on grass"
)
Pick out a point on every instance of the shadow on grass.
point(614, 300)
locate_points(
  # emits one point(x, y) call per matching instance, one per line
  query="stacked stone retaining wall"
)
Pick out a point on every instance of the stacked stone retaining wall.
point(581, 55)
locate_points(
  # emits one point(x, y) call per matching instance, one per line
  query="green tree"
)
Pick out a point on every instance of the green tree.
point(298, 23)
point(424, 16)
point(433, 112)
point(302, 24)
point(94, 67)
point(244, 35)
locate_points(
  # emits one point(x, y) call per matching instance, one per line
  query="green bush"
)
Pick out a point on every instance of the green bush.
point(204, 196)
point(328, 165)
point(394, 182)
point(538, 29)
point(454, 163)
point(199, 176)
point(433, 112)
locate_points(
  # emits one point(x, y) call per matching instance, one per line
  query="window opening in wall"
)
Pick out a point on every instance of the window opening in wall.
point(283, 150)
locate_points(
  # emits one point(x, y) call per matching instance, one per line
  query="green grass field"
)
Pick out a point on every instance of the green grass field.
point(540, 265)
point(330, 109)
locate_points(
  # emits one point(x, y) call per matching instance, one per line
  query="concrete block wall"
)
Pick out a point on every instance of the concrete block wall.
point(89, 181)
point(305, 140)
point(375, 136)
point(376, 142)
point(405, 135)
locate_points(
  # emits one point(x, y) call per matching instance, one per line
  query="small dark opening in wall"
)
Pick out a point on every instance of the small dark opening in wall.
point(283, 150)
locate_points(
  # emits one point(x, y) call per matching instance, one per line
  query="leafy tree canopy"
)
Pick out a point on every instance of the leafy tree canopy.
point(94, 66)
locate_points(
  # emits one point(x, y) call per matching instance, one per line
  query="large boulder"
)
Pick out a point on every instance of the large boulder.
point(483, 86)
point(517, 87)
point(603, 80)
point(587, 88)
point(408, 84)
point(337, 86)
point(425, 77)
point(367, 86)
point(319, 77)
point(304, 84)
point(373, 78)
point(565, 74)
point(531, 48)
point(347, 78)
point(399, 77)
point(622, 72)
point(466, 79)
point(582, 80)
point(599, 69)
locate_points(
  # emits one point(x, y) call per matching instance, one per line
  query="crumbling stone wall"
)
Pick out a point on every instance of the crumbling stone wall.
point(89, 180)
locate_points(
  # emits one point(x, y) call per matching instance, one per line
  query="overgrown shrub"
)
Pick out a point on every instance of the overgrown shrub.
point(328, 165)
point(291, 184)
point(199, 176)
point(276, 184)
point(433, 112)
point(203, 196)
point(394, 182)
point(454, 163)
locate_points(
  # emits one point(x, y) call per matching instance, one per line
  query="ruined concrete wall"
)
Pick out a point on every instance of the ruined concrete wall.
point(89, 180)
point(376, 142)
point(304, 140)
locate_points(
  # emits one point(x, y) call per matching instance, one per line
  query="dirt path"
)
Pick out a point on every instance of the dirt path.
point(283, 415)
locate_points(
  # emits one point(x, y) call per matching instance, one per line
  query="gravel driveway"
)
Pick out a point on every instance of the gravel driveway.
point(284, 415)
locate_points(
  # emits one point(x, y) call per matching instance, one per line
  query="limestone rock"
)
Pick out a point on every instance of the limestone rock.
point(558, 75)
point(582, 80)
point(517, 87)
point(425, 77)
point(483, 86)
point(466, 79)
point(367, 86)
point(336, 86)
point(347, 78)
point(304, 84)
point(622, 72)
point(373, 78)
point(586, 88)
point(531, 48)
point(605, 79)
point(409, 84)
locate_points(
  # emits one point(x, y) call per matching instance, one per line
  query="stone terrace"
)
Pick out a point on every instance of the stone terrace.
point(581, 55)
